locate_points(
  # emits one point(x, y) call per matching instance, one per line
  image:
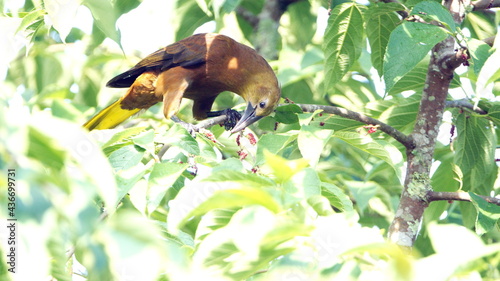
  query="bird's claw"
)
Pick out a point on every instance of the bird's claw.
point(233, 117)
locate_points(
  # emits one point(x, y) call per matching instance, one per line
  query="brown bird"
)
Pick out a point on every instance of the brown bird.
point(199, 68)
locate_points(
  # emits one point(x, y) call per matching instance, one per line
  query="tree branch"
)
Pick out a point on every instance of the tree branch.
point(458, 196)
point(464, 103)
point(485, 4)
point(391, 131)
point(404, 228)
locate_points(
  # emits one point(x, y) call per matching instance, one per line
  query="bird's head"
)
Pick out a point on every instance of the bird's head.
point(261, 101)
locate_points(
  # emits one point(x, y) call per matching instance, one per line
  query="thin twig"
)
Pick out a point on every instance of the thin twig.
point(464, 103)
point(391, 131)
point(458, 196)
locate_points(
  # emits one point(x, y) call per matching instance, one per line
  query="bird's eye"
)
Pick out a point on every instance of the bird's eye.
point(262, 104)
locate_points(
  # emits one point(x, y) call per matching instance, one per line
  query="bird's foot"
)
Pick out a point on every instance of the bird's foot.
point(233, 117)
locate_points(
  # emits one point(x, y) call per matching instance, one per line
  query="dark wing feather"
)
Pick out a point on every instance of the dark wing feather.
point(189, 52)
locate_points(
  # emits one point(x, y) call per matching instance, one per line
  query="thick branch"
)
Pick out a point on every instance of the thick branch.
point(404, 228)
point(485, 4)
point(397, 135)
point(458, 196)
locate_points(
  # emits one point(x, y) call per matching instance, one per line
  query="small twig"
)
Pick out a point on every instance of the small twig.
point(391, 131)
point(464, 103)
point(458, 196)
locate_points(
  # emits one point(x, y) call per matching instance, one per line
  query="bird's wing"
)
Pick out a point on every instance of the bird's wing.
point(190, 52)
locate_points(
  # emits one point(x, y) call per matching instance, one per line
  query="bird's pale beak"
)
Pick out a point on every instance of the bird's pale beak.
point(248, 118)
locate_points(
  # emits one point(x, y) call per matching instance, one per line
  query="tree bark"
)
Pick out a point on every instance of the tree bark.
point(414, 198)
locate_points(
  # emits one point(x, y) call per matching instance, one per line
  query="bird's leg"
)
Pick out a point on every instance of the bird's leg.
point(233, 117)
point(192, 129)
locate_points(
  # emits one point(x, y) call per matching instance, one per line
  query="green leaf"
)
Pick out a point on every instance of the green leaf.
point(42, 148)
point(381, 21)
point(336, 196)
point(488, 214)
point(287, 114)
point(301, 25)
point(189, 16)
point(253, 238)
point(178, 136)
point(231, 198)
point(479, 52)
point(362, 192)
point(413, 80)
point(408, 44)
point(284, 169)
point(475, 144)
point(494, 114)
point(272, 143)
point(489, 72)
point(30, 18)
point(336, 123)
point(126, 179)
point(321, 205)
point(126, 157)
point(311, 141)
point(431, 10)
point(105, 17)
point(245, 179)
point(144, 140)
point(343, 41)
point(367, 145)
point(445, 178)
point(302, 185)
point(222, 7)
point(162, 178)
point(213, 220)
point(65, 110)
point(401, 113)
point(125, 6)
point(62, 15)
point(121, 139)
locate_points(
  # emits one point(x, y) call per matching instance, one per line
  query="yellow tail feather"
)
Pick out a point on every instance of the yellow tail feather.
point(109, 117)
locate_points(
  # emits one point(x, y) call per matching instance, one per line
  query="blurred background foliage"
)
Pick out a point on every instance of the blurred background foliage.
point(256, 206)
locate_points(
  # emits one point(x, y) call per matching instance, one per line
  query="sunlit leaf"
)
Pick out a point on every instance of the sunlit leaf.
point(337, 197)
point(321, 205)
point(162, 177)
point(62, 15)
point(231, 198)
point(488, 214)
point(381, 21)
point(343, 41)
point(475, 144)
point(413, 37)
point(311, 142)
point(431, 10)
point(365, 144)
point(105, 16)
